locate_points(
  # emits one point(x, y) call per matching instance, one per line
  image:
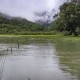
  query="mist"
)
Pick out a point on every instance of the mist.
point(28, 8)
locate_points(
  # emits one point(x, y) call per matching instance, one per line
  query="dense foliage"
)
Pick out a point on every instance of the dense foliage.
point(16, 25)
point(68, 20)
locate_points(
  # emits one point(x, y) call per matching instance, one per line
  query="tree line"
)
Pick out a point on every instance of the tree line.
point(18, 26)
point(67, 21)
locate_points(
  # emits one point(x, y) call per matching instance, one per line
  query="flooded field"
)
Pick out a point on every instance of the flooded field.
point(39, 59)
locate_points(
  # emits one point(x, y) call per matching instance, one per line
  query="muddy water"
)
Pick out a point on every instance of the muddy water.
point(37, 61)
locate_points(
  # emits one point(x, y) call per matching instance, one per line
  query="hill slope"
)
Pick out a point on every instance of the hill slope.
point(17, 25)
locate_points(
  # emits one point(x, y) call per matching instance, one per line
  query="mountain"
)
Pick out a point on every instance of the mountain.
point(17, 25)
point(5, 16)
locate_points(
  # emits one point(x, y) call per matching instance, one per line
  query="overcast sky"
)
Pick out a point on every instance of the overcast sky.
point(27, 8)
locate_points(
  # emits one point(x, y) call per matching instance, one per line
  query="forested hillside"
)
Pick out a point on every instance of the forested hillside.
point(17, 25)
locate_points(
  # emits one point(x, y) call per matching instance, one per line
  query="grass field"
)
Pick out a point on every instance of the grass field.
point(66, 38)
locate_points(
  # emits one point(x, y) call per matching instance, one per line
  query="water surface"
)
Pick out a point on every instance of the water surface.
point(39, 60)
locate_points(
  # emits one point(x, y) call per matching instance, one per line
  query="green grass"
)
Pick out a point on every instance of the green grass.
point(65, 38)
point(34, 36)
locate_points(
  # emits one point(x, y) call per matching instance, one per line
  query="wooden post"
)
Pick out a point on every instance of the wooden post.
point(11, 49)
point(7, 50)
point(18, 45)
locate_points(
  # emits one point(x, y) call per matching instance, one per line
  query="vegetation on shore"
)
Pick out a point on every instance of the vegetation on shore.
point(67, 21)
point(51, 37)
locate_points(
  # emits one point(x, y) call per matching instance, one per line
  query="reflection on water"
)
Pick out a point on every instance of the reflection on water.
point(69, 56)
point(39, 60)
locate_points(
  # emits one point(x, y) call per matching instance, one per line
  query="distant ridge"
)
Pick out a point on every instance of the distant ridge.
point(15, 25)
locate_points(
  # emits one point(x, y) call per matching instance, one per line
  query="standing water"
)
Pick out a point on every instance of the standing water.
point(39, 60)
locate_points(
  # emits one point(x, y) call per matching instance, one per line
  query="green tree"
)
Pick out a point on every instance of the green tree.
point(69, 18)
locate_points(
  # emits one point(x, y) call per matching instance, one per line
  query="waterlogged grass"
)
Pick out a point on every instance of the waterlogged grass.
point(31, 36)
point(72, 38)
point(57, 37)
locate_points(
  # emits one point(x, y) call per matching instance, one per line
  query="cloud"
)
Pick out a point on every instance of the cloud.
point(26, 8)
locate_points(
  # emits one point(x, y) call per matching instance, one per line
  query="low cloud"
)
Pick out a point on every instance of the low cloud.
point(27, 8)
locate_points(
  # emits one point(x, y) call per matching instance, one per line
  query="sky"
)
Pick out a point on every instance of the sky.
point(27, 8)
